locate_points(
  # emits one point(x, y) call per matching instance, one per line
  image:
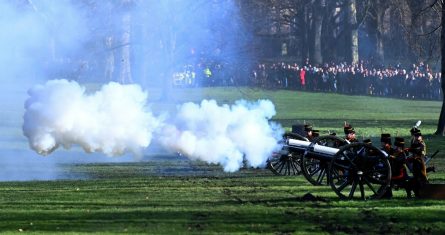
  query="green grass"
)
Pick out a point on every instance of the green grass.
point(138, 198)
point(171, 195)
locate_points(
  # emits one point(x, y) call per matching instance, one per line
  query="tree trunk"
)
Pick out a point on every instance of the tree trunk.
point(310, 34)
point(380, 54)
point(304, 37)
point(109, 61)
point(125, 73)
point(441, 123)
point(170, 50)
point(352, 15)
point(318, 26)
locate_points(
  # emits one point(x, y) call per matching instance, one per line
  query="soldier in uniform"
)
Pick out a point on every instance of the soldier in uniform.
point(415, 131)
point(309, 132)
point(386, 143)
point(315, 134)
point(385, 140)
point(397, 161)
point(417, 161)
point(349, 133)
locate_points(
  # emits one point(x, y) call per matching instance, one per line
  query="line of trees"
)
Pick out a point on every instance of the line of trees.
point(383, 31)
point(125, 35)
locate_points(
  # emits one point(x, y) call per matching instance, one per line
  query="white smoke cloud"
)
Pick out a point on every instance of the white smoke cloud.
point(224, 134)
point(112, 120)
point(115, 120)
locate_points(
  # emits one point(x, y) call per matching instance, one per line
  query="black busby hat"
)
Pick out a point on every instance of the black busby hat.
point(399, 142)
point(414, 130)
point(418, 133)
point(307, 127)
point(298, 129)
point(385, 138)
point(348, 129)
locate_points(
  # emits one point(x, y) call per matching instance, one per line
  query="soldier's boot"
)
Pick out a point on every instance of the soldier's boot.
point(408, 192)
point(431, 169)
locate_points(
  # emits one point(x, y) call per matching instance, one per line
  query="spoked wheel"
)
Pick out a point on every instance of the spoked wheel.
point(359, 171)
point(286, 162)
point(315, 169)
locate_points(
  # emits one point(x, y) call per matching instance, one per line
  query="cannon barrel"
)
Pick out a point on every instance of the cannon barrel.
point(316, 149)
point(298, 143)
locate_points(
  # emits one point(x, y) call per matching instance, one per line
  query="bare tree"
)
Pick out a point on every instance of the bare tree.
point(125, 60)
point(319, 8)
point(428, 8)
point(352, 30)
point(441, 123)
point(109, 59)
point(377, 13)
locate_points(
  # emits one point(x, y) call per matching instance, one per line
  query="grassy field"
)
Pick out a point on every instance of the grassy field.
point(171, 195)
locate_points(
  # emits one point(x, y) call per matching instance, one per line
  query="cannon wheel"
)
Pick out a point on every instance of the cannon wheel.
point(286, 162)
point(359, 171)
point(315, 170)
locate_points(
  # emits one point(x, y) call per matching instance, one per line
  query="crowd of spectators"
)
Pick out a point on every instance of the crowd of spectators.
point(417, 81)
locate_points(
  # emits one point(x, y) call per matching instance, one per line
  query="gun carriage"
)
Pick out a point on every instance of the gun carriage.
point(356, 170)
point(353, 170)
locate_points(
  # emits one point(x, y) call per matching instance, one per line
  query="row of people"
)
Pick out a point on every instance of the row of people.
point(416, 82)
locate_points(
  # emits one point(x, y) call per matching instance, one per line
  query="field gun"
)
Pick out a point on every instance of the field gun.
point(353, 170)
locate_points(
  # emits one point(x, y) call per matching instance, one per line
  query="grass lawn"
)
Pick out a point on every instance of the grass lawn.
point(171, 195)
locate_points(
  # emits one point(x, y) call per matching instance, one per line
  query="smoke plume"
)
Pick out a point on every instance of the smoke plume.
point(84, 41)
point(224, 134)
point(112, 120)
point(115, 120)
